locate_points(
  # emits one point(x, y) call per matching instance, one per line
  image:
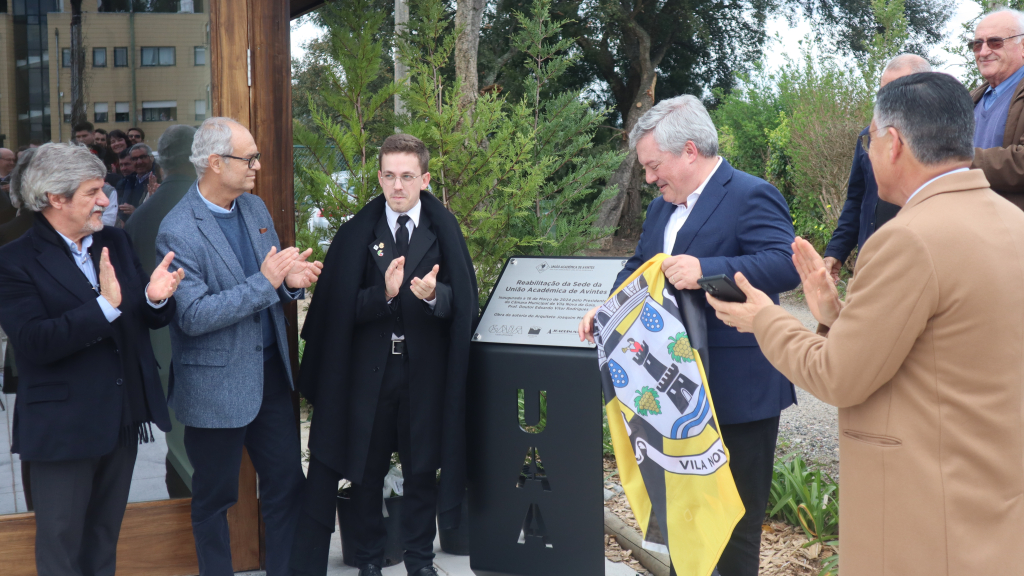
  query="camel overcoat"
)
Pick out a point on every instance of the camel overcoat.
point(926, 365)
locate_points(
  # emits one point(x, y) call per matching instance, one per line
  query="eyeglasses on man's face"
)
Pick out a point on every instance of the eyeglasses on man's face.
point(406, 178)
point(865, 140)
point(251, 159)
point(994, 43)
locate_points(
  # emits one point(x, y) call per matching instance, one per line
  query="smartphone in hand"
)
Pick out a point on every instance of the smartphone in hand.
point(722, 287)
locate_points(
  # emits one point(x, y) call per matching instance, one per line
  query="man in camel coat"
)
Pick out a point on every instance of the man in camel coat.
point(924, 358)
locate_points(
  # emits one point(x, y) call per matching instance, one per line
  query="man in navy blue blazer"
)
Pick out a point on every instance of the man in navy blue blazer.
point(714, 219)
point(863, 212)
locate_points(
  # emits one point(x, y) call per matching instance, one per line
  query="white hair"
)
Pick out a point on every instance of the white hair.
point(909, 62)
point(213, 137)
point(675, 122)
point(57, 169)
point(1017, 14)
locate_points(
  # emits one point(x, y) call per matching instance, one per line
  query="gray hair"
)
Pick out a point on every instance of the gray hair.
point(1017, 14)
point(912, 63)
point(175, 145)
point(933, 112)
point(57, 169)
point(675, 122)
point(213, 137)
point(140, 146)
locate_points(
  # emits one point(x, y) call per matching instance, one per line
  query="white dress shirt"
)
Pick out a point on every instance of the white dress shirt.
point(682, 211)
point(933, 180)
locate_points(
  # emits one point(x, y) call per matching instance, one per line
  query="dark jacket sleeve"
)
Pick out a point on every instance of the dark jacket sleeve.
point(37, 337)
point(371, 304)
point(153, 318)
point(764, 233)
point(844, 238)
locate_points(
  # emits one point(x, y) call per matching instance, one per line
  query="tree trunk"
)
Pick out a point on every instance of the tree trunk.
point(623, 211)
point(401, 70)
point(468, 15)
point(77, 66)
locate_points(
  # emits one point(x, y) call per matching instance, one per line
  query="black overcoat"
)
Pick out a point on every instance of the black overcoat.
point(347, 332)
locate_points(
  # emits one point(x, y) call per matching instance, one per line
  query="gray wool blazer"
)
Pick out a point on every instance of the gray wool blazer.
point(216, 339)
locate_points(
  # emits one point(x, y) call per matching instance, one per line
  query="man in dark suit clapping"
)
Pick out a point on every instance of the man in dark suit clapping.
point(714, 219)
point(78, 308)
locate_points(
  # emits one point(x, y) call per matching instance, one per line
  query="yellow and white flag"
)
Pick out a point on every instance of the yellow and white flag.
point(672, 462)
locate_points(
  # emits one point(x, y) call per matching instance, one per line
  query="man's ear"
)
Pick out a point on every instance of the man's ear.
point(426, 180)
point(215, 163)
point(57, 201)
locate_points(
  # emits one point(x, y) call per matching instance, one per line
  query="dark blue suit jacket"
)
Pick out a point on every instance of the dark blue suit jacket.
point(71, 386)
point(740, 223)
point(857, 221)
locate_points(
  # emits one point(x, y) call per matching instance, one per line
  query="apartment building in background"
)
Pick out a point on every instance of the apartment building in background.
point(142, 68)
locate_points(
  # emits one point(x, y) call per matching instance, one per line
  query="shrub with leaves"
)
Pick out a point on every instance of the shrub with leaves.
point(806, 498)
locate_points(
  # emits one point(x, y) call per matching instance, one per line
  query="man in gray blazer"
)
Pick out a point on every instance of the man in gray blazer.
point(231, 380)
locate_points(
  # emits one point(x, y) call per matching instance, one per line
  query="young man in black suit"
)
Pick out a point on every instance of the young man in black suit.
point(78, 309)
point(387, 349)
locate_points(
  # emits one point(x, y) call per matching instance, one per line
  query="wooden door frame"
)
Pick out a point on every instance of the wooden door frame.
point(249, 40)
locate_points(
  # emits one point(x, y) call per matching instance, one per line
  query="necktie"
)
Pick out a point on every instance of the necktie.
point(402, 236)
point(402, 247)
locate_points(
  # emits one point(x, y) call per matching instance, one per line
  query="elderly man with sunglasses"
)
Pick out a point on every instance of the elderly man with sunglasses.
point(998, 47)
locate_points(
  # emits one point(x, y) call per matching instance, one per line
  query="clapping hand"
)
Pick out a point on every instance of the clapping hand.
point(110, 288)
point(393, 277)
point(277, 265)
point(303, 274)
point(819, 290)
point(163, 282)
point(424, 289)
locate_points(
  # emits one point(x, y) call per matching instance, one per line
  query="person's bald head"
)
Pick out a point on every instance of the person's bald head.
point(996, 65)
point(904, 65)
point(7, 161)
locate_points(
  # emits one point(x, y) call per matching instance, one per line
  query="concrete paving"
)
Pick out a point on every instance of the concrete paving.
point(446, 564)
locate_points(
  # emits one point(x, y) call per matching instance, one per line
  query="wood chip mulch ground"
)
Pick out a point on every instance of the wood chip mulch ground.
point(782, 551)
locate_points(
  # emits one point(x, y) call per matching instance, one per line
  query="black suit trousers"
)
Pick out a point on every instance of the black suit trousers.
point(79, 505)
point(752, 452)
point(391, 430)
point(272, 440)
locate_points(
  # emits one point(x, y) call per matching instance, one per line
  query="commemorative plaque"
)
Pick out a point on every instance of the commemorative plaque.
point(533, 415)
point(539, 301)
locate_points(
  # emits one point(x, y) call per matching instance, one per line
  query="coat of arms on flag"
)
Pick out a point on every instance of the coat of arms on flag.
point(672, 462)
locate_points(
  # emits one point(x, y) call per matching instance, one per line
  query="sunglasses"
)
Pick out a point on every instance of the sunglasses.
point(994, 43)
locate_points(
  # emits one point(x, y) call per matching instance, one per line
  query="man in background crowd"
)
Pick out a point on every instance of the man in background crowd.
point(83, 132)
point(109, 157)
point(136, 136)
point(999, 102)
point(136, 186)
point(863, 212)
